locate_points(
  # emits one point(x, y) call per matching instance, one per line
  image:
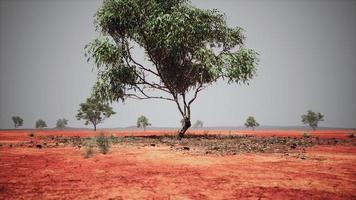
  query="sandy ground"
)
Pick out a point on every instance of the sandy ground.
point(128, 172)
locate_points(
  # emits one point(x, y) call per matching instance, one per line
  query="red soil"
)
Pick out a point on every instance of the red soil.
point(329, 172)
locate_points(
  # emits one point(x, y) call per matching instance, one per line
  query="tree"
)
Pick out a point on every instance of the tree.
point(142, 121)
point(198, 124)
point(94, 111)
point(18, 121)
point(61, 123)
point(187, 49)
point(251, 122)
point(40, 124)
point(312, 119)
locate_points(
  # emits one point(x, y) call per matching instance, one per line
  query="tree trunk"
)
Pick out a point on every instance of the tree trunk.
point(186, 126)
point(94, 127)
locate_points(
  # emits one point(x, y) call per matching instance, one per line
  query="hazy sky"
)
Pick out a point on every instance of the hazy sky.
point(307, 61)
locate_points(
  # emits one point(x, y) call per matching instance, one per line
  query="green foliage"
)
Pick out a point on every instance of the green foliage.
point(61, 123)
point(94, 111)
point(312, 119)
point(18, 121)
point(40, 124)
point(198, 124)
point(188, 49)
point(103, 143)
point(251, 122)
point(142, 122)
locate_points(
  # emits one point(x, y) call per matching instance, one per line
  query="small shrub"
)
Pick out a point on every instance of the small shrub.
point(31, 134)
point(113, 138)
point(351, 135)
point(89, 149)
point(103, 143)
point(306, 135)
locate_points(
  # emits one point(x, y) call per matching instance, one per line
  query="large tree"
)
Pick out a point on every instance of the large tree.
point(61, 123)
point(94, 111)
point(142, 121)
point(187, 49)
point(312, 118)
point(251, 122)
point(18, 121)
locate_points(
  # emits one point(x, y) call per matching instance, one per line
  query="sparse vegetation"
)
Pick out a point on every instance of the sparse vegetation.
point(89, 149)
point(251, 122)
point(312, 119)
point(142, 121)
point(189, 49)
point(40, 124)
point(61, 123)
point(103, 143)
point(208, 143)
point(18, 121)
point(351, 135)
point(94, 111)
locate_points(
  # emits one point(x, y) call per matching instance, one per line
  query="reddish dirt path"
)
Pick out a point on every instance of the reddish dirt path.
point(156, 173)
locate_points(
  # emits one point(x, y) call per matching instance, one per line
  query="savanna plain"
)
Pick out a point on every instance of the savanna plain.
point(72, 164)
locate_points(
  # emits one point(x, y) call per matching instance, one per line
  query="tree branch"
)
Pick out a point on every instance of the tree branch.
point(135, 96)
point(197, 90)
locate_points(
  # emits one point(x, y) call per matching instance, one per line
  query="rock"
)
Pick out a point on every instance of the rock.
point(39, 146)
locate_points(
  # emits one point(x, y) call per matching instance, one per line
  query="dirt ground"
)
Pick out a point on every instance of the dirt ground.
point(156, 172)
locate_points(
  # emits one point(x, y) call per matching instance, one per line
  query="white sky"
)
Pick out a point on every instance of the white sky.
point(307, 51)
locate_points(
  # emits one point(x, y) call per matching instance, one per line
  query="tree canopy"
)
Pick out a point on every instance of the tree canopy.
point(188, 49)
point(61, 123)
point(312, 118)
point(18, 121)
point(251, 123)
point(142, 121)
point(94, 111)
point(40, 124)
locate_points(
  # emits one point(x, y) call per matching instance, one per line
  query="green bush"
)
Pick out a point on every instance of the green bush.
point(103, 143)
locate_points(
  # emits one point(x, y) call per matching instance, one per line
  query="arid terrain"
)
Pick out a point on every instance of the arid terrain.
point(50, 164)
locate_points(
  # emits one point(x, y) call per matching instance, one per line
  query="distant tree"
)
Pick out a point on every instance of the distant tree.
point(187, 49)
point(251, 122)
point(18, 121)
point(61, 123)
point(142, 122)
point(94, 111)
point(312, 119)
point(40, 124)
point(198, 124)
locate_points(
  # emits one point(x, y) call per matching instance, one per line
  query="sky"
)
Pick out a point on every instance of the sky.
point(307, 61)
